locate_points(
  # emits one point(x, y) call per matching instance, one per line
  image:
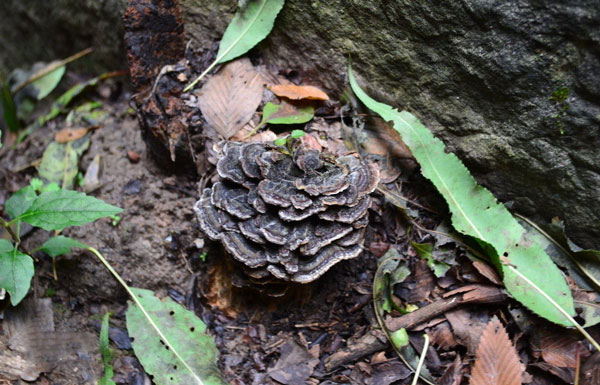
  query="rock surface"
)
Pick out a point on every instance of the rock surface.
point(512, 87)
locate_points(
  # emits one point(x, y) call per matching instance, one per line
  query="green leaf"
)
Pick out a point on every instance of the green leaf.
point(60, 162)
point(399, 338)
point(475, 212)
point(106, 379)
point(280, 141)
point(286, 113)
point(9, 109)
point(249, 26)
point(47, 83)
point(184, 331)
point(426, 251)
point(20, 201)
point(55, 210)
point(16, 271)
point(297, 134)
point(60, 245)
point(5, 246)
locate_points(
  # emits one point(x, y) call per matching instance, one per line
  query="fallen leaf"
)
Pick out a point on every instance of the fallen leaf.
point(453, 374)
point(590, 371)
point(488, 272)
point(560, 349)
point(286, 113)
point(294, 366)
point(310, 142)
point(229, 99)
point(294, 92)
point(496, 361)
point(468, 326)
point(60, 162)
point(70, 134)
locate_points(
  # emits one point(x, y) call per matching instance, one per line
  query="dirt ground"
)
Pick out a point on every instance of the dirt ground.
point(152, 247)
point(156, 244)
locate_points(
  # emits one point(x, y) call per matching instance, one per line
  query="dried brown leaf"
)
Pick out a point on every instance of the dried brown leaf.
point(560, 349)
point(70, 134)
point(488, 272)
point(294, 92)
point(496, 361)
point(230, 98)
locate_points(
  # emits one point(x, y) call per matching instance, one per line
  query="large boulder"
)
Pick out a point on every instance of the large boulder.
point(513, 87)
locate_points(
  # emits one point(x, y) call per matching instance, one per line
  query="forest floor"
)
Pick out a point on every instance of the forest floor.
point(156, 244)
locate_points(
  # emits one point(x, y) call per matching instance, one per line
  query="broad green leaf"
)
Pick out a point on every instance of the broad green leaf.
point(250, 25)
point(60, 162)
point(286, 113)
point(16, 271)
point(20, 201)
point(55, 210)
point(106, 378)
point(184, 331)
point(5, 246)
point(476, 212)
point(9, 109)
point(60, 245)
point(46, 84)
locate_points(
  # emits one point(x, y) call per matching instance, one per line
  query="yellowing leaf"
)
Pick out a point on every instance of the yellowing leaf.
point(496, 360)
point(230, 98)
point(292, 91)
point(286, 113)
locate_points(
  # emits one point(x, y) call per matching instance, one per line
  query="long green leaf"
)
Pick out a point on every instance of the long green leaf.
point(476, 212)
point(250, 25)
point(109, 372)
point(196, 359)
point(16, 271)
point(9, 109)
point(55, 210)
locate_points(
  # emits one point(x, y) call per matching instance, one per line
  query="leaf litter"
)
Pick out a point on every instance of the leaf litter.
point(256, 342)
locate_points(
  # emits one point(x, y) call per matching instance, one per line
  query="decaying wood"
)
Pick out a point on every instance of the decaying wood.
point(472, 294)
point(370, 343)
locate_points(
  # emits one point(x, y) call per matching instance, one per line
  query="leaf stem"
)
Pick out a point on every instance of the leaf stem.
point(14, 236)
point(558, 307)
point(421, 359)
point(143, 310)
point(210, 67)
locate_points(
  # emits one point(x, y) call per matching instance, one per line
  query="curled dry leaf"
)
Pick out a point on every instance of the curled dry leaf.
point(292, 91)
point(496, 361)
point(70, 134)
point(229, 99)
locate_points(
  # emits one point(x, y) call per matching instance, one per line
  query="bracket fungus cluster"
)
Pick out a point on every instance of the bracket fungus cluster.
point(288, 217)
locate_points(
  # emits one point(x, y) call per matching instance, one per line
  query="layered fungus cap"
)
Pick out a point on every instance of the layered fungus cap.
point(289, 217)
